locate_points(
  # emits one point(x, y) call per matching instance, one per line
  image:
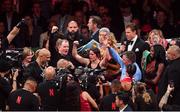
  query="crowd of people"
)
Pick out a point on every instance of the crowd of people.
point(133, 64)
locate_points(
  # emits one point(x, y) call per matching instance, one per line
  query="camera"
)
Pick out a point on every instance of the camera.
point(61, 78)
point(21, 23)
point(13, 57)
point(87, 75)
point(171, 83)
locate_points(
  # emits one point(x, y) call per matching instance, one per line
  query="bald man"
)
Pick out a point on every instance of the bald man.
point(23, 99)
point(171, 74)
point(48, 91)
point(49, 73)
point(36, 68)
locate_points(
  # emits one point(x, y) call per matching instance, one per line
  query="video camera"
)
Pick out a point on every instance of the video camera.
point(21, 23)
point(88, 75)
point(62, 77)
point(13, 57)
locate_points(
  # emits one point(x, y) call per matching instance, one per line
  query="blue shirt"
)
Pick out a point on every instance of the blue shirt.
point(137, 76)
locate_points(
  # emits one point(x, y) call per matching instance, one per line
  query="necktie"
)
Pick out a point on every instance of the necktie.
point(131, 42)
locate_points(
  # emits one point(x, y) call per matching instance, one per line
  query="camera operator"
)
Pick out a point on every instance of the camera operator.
point(88, 80)
point(24, 99)
point(5, 86)
point(48, 91)
point(25, 60)
point(35, 68)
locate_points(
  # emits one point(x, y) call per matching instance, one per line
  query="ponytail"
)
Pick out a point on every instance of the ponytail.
point(147, 97)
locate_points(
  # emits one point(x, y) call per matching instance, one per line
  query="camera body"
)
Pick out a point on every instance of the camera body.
point(13, 57)
point(62, 77)
point(21, 23)
point(87, 75)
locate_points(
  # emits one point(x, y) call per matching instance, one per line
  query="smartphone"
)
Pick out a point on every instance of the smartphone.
point(171, 83)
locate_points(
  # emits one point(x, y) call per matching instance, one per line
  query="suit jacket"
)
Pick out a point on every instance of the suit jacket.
point(128, 108)
point(95, 36)
point(139, 47)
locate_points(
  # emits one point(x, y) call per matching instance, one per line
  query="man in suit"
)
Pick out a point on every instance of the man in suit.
point(94, 24)
point(122, 100)
point(134, 43)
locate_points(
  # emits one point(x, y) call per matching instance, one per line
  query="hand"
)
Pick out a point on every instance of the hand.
point(76, 43)
point(15, 74)
point(23, 21)
point(54, 29)
point(169, 88)
point(122, 48)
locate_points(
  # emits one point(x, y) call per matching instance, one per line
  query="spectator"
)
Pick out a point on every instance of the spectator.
point(122, 101)
point(171, 73)
point(107, 38)
point(62, 46)
point(29, 35)
point(135, 43)
point(128, 57)
point(145, 99)
point(73, 34)
point(76, 99)
point(94, 24)
point(9, 16)
point(156, 37)
point(94, 60)
point(44, 37)
point(85, 34)
point(155, 67)
point(5, 43)
point(108, 102)
point(38, 19)
point(35, 68)
point(162, 23)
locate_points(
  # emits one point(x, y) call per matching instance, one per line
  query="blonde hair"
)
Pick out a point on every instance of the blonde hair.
point(112, 41)
point(158, 39)
point(140, 90)
point(26, 52)
point(41, 52)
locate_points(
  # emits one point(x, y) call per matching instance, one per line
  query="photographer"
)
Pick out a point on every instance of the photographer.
point(48, 91)
point(24, 99)
point(5, 85)
point(22, 63)
point(164, 105)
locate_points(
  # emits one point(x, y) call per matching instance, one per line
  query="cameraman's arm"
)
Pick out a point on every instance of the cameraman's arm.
point(101, 89)
point(12, 34)
point(14, 84)
point(77, 56)
point(164, 99)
